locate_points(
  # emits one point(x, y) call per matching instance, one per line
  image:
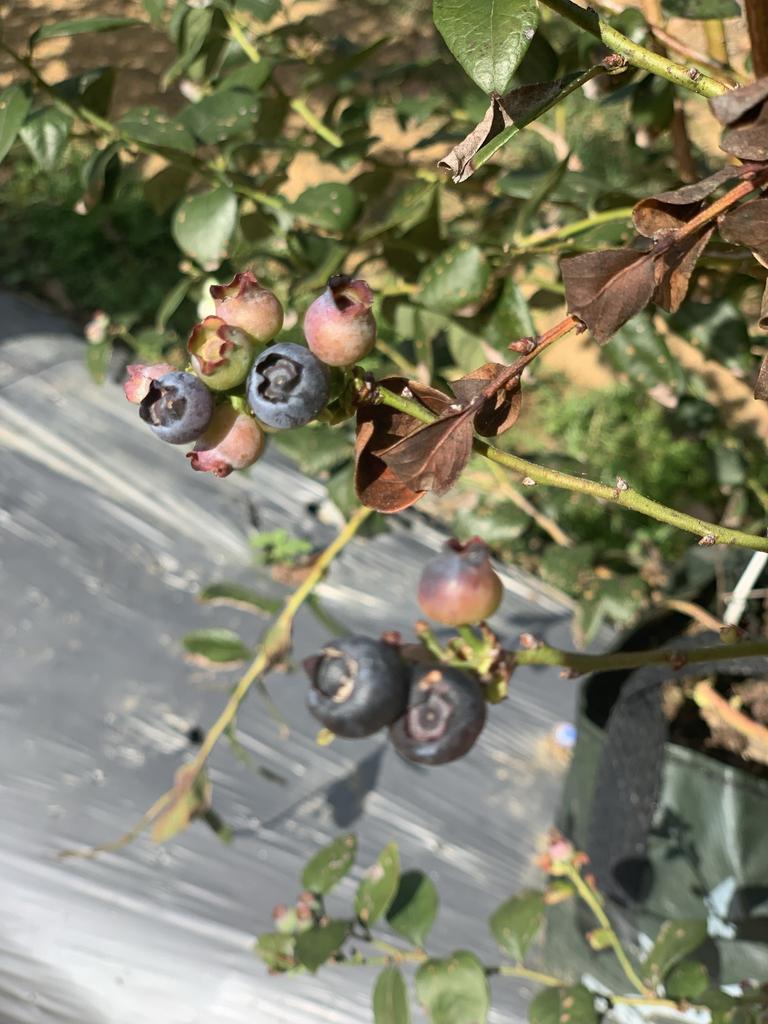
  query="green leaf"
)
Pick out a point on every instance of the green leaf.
point(100, 176)
point(457, 277)
point(91, 89)
point(249, 77)
point(98, 358)
point(14, 105)
point(701, 9)
point(166, 188)
point(687, 980)
point(172, 301)
point(216, 645)
point(410, 206)
point(220, 116)
point(390, 998)
point(315, 946)
point(454, 990)
point(511, 318)
point(236, 596)
point(414, 908)
point(378, 888)
point(332, 206)
point(154, 9)
point(640, 352)
point(45, 135)
point(498, 523)
point(617, 599)
point(574, 1001)
point(192, 34)
point(675, 940)
point(314, 451)
point(276, 950)
point(79, 26)
point(487, 37)
point(153, 127)
point(261, 9)
point(203, 226)
point(330, 864)
point(515, 924)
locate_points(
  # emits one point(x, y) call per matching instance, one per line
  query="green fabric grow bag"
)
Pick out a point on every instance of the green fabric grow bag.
point(671, 833)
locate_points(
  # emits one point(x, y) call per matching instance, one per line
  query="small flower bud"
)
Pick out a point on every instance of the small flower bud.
point(232, 440)
point(140, 377)
point(339, 325)
point(246, 304)
point(97, 327)
point(221, 354)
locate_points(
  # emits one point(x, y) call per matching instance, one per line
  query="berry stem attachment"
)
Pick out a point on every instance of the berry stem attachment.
point(275, 643)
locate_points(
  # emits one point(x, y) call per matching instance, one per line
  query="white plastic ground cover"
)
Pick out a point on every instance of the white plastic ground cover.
point(105, 538)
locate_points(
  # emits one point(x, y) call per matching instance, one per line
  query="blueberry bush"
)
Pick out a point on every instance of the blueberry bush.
point(380, 327)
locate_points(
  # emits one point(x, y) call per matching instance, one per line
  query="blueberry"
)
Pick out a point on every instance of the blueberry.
point(232, 440)
point(444, 717)
point(358, 686)
point(287, 386)
point(339, 325)
point(221, 355)
point(459, 587)
point(178, 407)
point(246, 304)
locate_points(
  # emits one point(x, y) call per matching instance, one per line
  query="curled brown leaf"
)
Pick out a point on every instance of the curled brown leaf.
point(499, 412)
point(744, 112)
point(606, 289)
point(748, 225)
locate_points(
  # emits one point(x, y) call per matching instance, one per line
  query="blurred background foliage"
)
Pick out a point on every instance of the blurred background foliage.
point(302, 139)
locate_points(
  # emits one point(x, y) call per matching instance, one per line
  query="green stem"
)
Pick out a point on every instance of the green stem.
point(711, 532)
point(546, 655)
point(592, 900)
point(576, 227)
point(684, 75)
point(518, 971)
point(273, 641)
point(241, 38)
point(299, 106)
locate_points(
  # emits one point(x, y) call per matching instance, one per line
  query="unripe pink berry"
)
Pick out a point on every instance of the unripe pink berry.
point(233, 440)
point(459, 586)
point(221, 355)
point(246, 304)
point(339, 326)
point(136, 386)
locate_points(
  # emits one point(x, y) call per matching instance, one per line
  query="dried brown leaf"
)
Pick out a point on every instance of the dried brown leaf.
point(517, 106)
point(745, 113)
point(606, 289)
point(763, 321)
point(498, 413)
point(761, 384)
point(667, 211)
point(674, 267)
point(433, 456)
point(736, 103)
point(459, 160)
point(378, 428)
point(748, 225)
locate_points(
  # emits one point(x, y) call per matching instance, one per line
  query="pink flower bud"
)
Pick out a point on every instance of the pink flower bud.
point(246, 304)
point(221, 354)
point(97, 327)
point(339, 325)
point(232, 440)
point(136, 386)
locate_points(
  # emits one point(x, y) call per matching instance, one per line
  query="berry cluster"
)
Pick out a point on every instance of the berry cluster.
point(240, 383)
point(434, 711)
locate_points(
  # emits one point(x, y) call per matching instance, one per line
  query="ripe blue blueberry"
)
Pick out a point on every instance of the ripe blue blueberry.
point(287, 386)
point(444, 717)
point(358, 686)
point(178, 407)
